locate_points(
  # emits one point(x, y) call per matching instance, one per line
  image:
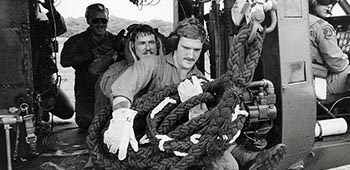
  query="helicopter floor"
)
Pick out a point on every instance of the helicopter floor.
point(65, 149)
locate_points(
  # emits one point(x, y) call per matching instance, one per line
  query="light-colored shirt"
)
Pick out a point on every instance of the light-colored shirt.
point(324, 48)
point(149, 73)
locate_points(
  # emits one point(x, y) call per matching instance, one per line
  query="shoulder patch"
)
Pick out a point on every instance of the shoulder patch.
point(328, 32)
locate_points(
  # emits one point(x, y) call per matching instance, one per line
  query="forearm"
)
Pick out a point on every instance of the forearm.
point(70, 56)
point(337, 65)
point(100, 65)
point(76, 59)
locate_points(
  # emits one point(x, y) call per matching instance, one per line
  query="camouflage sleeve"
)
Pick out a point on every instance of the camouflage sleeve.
point(332, 55)
point(71, 55)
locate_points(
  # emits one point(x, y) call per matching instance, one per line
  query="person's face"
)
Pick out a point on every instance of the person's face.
point(98, 23)
point(145, 44)
point(188, 52)
point(323, 11)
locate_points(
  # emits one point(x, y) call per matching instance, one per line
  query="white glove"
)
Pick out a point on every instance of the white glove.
point(188, 89)
point(120, 132)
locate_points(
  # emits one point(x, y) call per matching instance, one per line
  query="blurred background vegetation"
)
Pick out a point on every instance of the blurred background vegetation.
point(115, 24)
point(77, 25)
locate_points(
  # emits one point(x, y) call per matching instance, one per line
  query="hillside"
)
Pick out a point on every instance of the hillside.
point(76, 25)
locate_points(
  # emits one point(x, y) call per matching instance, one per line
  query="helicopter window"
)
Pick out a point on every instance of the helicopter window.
point(297, 72)
point(341, 8)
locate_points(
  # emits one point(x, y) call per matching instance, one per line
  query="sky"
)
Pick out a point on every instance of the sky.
point(119, 8)
point(337, 10)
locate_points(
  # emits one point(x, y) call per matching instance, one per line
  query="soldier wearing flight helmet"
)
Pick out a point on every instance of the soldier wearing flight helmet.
point(80, 50)
point(329, 61)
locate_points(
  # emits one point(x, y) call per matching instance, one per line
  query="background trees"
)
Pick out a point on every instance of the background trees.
point(76, 25)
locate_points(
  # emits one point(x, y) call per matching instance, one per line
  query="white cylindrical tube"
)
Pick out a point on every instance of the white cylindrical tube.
point(320, 86)
point(330, 127)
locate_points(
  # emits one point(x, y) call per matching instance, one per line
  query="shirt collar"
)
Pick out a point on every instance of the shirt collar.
point(170, 59)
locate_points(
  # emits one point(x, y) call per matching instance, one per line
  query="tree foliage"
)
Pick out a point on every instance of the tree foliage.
point(115, 24)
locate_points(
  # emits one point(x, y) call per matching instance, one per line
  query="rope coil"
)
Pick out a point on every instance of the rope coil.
point(213, 130)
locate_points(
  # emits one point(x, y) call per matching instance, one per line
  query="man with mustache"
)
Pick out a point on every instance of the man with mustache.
point(330, 64)
point(141, 40)
point(156, 72)
point(80, 50)
point(153, 73)
point(144, 41)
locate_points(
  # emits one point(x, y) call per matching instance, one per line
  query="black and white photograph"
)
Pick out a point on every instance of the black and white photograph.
point(174, 84)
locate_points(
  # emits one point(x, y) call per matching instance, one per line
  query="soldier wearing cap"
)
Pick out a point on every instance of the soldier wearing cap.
point(80, 50)
point(329, 61)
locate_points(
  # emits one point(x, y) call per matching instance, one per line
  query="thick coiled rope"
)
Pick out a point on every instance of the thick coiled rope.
point(193, 142)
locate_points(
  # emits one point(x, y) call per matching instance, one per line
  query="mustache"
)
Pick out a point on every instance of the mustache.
point(189, 59)
point(148, 52)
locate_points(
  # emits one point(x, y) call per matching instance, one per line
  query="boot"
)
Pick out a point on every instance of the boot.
point(264, 160)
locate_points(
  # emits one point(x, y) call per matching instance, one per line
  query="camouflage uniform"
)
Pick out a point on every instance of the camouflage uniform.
point(326, 54)
point(79, 51)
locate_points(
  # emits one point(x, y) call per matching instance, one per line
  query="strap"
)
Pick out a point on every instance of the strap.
point(31, 138)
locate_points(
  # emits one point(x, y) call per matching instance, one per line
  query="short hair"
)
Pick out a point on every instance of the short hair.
point(191, 28)
point(95, 8)
point(135, 29)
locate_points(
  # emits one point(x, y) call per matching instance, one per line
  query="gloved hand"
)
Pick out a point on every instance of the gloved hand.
point(188, 89)
point(120, 132)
